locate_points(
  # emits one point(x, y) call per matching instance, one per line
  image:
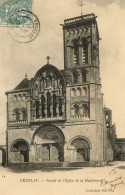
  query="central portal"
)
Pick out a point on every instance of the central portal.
point(52, 153)
point(49, 144)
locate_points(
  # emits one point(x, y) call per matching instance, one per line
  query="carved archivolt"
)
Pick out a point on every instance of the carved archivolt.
point(48, 80)
point(73, 33)
point(82, 32)
point(81, 141)
point(44, 134)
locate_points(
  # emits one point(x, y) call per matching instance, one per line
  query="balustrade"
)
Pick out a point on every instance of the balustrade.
point(81, 117)
point(18, 122)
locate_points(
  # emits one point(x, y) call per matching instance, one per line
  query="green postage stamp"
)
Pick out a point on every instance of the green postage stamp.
point(15, 12)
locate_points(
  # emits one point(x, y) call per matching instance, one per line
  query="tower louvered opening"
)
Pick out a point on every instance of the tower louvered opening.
point(85, 51)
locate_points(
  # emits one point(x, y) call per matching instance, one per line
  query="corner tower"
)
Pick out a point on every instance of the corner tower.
point(84, 100)
point(81, 67)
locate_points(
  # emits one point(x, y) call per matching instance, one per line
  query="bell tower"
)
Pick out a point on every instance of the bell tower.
point(81, 42)
point(81, 67)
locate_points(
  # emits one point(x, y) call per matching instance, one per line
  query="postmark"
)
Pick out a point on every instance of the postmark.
point(26, 30)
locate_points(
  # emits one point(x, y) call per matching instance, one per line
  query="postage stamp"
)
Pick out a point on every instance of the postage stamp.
point(15, 12)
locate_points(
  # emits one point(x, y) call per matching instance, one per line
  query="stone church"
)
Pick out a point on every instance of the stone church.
point(58, 116)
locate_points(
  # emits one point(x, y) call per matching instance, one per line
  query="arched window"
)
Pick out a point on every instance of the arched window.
point(107, 124)
point(78, 91)
point(42, 84)
point(15, 97)
point(37, 109)
point(23, 115)
point(24, 97)
point(107, 116)
point(84, 91)
point(43, 106)
point(16, 115)
point(54, 105)
point(20, 97)
point(48, 104)
point(85, 110)
point(76, 110)
point(60, 107)
point(48, 81)
point(72, 92)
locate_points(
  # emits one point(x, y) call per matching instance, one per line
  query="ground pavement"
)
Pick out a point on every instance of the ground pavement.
point(87, 180)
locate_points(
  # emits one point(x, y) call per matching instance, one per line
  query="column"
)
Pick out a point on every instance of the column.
point(75, 155)
point(66, 153)
point(89, 52)
point(53, 83)
point(32, 153)
point(72, 155)
point(51, 106)
point(57, 110)
point(28, 110)
point(81, 111)
point(69, 56)
point(51, 153)
point(51, 111)
point(68, 103)
point(45, 108)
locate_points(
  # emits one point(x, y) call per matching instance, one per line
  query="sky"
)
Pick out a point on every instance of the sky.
point(104, 3)
point(16, 59)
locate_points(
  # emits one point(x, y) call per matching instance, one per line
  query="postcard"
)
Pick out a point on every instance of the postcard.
point(62, 97)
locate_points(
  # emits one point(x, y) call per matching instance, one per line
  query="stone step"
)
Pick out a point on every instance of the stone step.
point(40, 165)
point(35, 165)
point(79, 164)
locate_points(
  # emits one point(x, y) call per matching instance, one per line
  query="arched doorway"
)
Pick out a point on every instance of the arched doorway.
point(80, 149)
point(21, 151)
point(49, 144)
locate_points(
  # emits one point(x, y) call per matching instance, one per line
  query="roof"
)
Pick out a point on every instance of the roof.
point(107, 109)
point(80, 19)
point(24, 84)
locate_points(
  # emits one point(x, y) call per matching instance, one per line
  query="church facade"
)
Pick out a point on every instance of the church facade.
point(58, 115)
